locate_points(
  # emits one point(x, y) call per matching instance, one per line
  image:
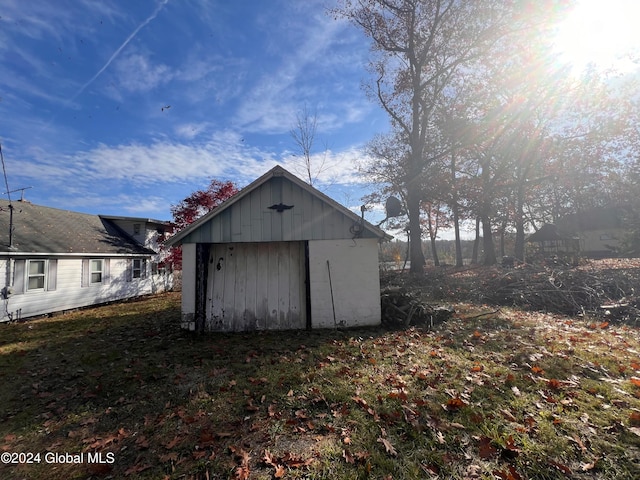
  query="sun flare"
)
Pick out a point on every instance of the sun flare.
point(601, 33)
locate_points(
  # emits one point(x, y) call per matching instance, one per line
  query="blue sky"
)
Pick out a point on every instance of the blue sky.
point(126, 107)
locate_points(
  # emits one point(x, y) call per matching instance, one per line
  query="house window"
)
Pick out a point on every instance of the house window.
point(36, 277)
point(138, 267)
point(96, 271)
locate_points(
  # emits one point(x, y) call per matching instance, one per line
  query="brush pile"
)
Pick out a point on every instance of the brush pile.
point(403, 308)
point(570, 291)
point(602, 288)
point(607, 289)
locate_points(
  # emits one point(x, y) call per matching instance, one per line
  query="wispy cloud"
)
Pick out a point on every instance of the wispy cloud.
point(136, 73)
point(234, 75)
point(278, 95)
point(34, 20)
point(191, 130)
point(120, 48)
point(123, 203)
point(222, 156)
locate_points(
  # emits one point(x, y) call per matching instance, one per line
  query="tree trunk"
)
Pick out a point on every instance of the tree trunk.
point(519, 221)
point(503, 238)
point(458, 242)
point(519, 249)
point(487, 242)
point(485, 213)
point(432, 238)
point(434, 252)
point(456, 215)
point(476, 243)
point(416, 256)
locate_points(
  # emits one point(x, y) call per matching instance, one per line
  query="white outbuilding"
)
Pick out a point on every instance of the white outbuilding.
point(279, 255)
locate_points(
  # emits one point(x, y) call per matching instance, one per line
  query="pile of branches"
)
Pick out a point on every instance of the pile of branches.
point(569, 291)
point(403, 308)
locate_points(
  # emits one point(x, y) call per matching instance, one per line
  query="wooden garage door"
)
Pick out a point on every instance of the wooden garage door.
point(256, 286)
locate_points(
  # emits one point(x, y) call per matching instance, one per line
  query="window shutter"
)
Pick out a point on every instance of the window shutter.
point(129, 270)
point(106, 271)
point(18, 276)
point(143, 268)
point(52, 274)
point(85, 272)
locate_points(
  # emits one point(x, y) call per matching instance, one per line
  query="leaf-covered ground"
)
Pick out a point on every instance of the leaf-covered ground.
point(509, 395)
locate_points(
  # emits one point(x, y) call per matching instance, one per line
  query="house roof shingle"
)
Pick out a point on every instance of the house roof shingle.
point(45, 230)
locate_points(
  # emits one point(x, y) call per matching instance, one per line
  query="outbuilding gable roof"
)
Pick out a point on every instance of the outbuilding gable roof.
point(278, 206)
point(45, 230)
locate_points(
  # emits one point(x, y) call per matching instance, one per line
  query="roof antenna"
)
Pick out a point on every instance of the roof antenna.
point(6, 182)
point(4, 171)
point(8, 193)
point(18, 190)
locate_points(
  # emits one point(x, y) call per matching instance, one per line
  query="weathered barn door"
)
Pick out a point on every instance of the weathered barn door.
point(256, 286)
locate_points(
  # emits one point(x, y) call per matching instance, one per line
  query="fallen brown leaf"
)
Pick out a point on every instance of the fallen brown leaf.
point(563, 468)
point(509, 474)
point(136, 469)
point(454, 404)
point(347, 456)
point(173, 443)
point(586, 467)
point(485, 449)
point(388, 446)
point(242, 473)
point(280, 471)
point(508, 415)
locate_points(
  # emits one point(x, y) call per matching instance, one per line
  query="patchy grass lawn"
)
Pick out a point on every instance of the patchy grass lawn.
point(509, 395)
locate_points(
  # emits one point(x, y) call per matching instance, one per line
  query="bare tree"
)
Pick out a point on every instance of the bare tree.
point(304, 136)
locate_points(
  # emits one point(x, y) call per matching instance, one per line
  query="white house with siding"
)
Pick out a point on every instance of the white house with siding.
point(279, 255)
point(594, 233)
point(54, 260)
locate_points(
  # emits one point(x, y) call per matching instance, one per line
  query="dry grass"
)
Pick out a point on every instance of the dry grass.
point(511, 395)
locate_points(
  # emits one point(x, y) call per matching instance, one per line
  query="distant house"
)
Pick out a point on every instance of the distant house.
point(54, 260)
point(594, 233)
point(279, 255)
point(549, 241)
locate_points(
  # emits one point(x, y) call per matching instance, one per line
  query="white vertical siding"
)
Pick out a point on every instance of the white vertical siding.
point(251, 220)
point(256, 286)
point(344, 278)
point(261, 286)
